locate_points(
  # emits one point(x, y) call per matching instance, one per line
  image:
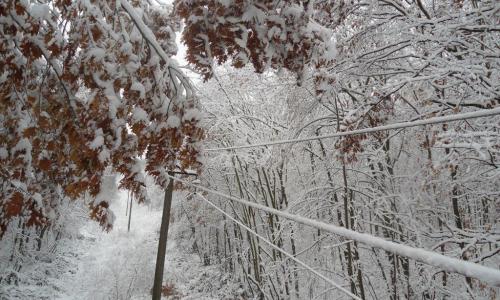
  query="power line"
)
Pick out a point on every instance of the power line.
point(333, 283)
point(435, 120)
point(446, 263)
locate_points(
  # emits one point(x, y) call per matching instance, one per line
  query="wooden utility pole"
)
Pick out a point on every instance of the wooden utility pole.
point(162, 244)
point(130, 213)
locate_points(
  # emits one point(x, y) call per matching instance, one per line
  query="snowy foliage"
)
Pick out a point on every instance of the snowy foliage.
point(432, 187)
point(89, 89)
point(266, 34)
point(86, 85)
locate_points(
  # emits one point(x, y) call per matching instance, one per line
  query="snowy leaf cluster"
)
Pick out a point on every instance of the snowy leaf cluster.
point(266, 34)
point(87, 85)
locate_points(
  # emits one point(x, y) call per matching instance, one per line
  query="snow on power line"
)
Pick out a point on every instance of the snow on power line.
point(303, 264)
point(449, 264)
point(436, 120)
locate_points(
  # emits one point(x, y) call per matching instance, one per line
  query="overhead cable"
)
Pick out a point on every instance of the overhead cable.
point(449, 264)
point(292, 257)
point(429, 121)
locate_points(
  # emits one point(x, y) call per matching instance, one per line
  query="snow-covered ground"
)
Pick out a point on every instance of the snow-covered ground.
point(120, 264)
point(117, 264)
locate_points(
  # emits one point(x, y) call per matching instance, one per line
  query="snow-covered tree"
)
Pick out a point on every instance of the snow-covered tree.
point(86, 85)
point(432, 187)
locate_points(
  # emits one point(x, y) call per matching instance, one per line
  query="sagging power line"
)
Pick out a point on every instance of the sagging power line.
point(333, 283)
point(429, 121)
point(445, 263)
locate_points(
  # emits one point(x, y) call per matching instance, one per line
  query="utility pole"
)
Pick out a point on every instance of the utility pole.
point(162, 244)
point(130, 212)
